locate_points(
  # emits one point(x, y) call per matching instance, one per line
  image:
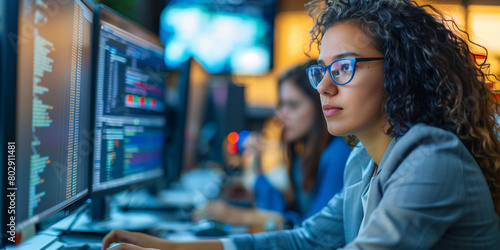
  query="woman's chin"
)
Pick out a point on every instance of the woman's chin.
point(289, 137)
point(337, 131)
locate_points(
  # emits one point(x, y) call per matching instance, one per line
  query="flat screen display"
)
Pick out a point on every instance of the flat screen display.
point(225, 38)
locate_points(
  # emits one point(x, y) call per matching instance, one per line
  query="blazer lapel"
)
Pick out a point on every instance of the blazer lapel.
point(375, 193)
point(360, 175)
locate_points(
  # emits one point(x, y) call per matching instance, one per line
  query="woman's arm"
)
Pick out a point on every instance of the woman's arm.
point(147, 241)
point(323, 230)
point(222, 211)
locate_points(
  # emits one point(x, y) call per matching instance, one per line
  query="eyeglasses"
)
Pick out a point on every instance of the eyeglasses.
point(341, 70)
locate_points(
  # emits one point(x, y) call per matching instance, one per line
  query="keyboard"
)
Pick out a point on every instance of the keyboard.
point(96, 246)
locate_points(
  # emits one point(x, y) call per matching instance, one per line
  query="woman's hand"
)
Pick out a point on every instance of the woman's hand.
point(253, 146)
point(217, 210)
point(254, 143)
point(126, 246)
point(139, 241)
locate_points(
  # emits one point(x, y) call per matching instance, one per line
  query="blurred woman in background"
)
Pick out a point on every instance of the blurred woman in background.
point(314, 160)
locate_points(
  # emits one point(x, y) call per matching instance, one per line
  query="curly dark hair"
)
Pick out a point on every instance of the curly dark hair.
point(431, 75)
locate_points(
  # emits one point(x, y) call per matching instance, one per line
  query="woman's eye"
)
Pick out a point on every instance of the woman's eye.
point(293, 106)
point(346, 67)
point(288, 105)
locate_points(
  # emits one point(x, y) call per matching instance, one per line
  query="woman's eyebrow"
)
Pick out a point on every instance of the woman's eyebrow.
point(346, 54)
point(339, 56)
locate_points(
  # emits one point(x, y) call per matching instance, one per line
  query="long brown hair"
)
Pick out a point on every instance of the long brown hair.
point(313, 144)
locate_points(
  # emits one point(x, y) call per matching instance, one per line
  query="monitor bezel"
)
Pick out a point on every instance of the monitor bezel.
point(8, 25)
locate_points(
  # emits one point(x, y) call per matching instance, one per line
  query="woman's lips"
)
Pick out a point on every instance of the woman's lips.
point(329, 110)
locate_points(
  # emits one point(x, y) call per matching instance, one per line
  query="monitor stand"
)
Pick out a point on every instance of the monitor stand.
point(102, 219)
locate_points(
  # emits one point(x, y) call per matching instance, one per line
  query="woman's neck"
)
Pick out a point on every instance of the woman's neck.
point(375, 141)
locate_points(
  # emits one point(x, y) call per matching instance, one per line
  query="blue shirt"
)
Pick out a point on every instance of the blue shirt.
point(329, 181)
point(303, 198)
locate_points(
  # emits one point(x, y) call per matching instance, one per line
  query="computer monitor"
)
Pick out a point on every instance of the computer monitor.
point(130, 120)
point(224, 114)
point(8, 25)
point(178, 87)
point(225, 37)
point(46, 93)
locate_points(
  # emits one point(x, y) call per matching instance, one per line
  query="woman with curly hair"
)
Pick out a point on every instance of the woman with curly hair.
point(426, 173)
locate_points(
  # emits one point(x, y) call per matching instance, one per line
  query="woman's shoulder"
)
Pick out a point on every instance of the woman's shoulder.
point(423, 130)
point(425, 137)
point(335, 153)
point(338, 145)
point(425, 146)
point(333, 160)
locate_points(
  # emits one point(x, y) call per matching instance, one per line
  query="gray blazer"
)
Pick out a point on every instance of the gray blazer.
point(429, 193)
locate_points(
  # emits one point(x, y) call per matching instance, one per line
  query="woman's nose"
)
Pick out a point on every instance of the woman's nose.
point(327, 86)
point(282, 114)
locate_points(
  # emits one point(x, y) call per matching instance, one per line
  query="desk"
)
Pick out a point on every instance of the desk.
point(180, 231)
point(161, 224)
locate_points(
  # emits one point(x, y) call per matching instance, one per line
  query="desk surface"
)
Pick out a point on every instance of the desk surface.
point(161, 224)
